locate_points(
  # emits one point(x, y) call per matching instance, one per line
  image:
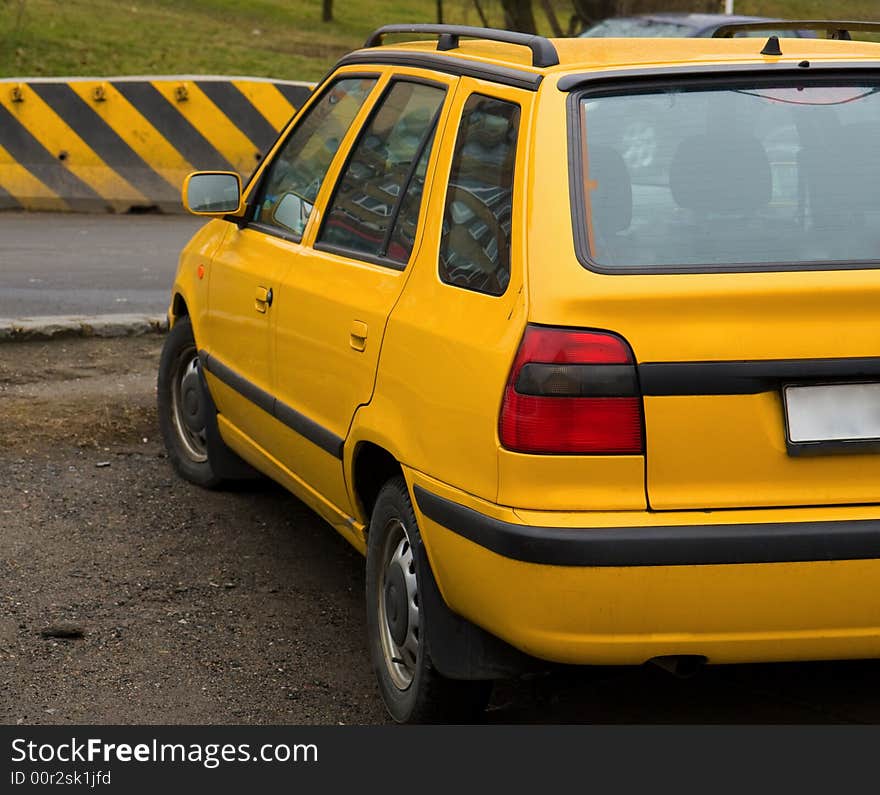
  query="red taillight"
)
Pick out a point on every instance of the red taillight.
point(572, 392)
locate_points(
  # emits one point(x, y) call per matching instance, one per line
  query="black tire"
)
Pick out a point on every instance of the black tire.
point(183, 410)
point(411, 687)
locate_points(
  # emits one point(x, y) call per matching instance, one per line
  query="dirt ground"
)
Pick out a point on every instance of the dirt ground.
point(243, 607)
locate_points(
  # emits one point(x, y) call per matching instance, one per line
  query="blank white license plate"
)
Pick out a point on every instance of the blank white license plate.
point(833, 413)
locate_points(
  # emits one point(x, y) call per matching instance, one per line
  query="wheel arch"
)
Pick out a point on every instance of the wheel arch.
point(372, 465)
point(179, 307)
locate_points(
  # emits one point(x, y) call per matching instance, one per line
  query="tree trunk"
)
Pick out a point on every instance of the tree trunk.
point(518, 15)
point(592, 11)
point(439, 12)
point(327, 10)
point(481, 14)
point(547, 5)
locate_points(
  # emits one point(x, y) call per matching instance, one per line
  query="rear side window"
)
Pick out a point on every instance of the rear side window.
point(475, 243)
point(291, 184)
point(378, 195)
point(764, 175)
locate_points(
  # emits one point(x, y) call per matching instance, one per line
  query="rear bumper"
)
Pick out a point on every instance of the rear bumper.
point(590, 588)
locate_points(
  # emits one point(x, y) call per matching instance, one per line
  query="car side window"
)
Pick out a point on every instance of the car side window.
point(293, 179)
point(381, 184)
point(475, 241)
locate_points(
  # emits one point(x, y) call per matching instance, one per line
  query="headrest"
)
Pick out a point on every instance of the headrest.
point(487, 127)
point(611, 199)
point(720, 173)
point(859, 150)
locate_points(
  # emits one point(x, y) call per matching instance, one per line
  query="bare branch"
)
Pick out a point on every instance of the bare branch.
point(551, 17)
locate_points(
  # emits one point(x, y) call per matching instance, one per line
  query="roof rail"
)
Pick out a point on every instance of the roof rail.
point(834, 29)
point(543, 51)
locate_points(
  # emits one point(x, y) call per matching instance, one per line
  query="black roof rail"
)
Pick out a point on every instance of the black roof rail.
point(834, 28)
point(543, 51)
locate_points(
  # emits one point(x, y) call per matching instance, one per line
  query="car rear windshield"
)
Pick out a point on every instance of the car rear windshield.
point(749, 177)
point(622, 27)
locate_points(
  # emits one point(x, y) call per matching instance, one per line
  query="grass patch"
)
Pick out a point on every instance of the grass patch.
point(273, 38)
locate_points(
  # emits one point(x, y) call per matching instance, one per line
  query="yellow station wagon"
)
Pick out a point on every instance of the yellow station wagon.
point(578, 341)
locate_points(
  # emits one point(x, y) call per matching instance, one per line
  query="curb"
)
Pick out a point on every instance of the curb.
point(66, 326)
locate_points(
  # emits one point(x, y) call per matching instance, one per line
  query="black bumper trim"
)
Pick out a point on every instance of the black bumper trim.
point(750, 377)
point(674, 545)
point(317, 434)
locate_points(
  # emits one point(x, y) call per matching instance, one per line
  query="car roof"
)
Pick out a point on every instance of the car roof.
point(587, 54)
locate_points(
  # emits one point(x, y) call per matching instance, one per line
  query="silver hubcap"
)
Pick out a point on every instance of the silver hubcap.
point(186, 406)
point(399, 606)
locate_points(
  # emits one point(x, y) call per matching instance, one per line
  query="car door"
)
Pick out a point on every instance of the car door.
point(245, 290)
point(445, 357)
point(348, 275)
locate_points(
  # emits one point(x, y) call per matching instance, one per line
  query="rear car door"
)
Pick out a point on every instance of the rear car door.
point(444, 359)
point(744, 275)
point(347, 277)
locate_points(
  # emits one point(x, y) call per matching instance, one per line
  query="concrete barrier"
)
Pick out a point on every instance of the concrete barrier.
point(126, 143)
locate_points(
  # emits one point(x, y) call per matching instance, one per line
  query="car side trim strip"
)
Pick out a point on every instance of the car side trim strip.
point(673, 545)
point(749, 377)
point(504, 75)
point(293, 419)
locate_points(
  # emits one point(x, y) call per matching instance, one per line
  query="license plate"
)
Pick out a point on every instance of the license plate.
point(830, 416)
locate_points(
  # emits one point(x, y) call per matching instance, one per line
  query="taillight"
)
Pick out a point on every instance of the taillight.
point(572, 391)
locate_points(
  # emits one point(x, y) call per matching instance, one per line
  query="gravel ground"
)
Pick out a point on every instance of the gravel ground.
point(233, 607)
point(242, 606)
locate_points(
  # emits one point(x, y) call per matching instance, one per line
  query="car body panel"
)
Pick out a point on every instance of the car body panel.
point(193, 274)
point(713, 451)
point(446, 352)
point(239, 330)
point(330, 299)
point(429, 392)
point(245, 338)
point(626, 615)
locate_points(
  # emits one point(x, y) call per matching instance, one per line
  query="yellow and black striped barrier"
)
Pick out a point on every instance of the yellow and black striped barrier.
point(125, 144)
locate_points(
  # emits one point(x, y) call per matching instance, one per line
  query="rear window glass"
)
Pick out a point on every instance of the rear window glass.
point(745, 178)
point(623, 27)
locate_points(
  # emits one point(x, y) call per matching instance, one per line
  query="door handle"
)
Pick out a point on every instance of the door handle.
point(263, 299)
point(358, 338)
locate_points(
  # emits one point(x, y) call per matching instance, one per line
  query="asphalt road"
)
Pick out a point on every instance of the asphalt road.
point(242, 606)
point(72, 264)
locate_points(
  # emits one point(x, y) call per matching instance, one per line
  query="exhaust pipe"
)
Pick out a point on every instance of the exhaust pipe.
point(682, 666)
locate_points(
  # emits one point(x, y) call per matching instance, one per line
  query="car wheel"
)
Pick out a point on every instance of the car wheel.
point(183, 411)
point(412, 689)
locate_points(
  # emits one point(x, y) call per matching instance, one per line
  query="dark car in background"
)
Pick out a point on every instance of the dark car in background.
point(680, 25)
